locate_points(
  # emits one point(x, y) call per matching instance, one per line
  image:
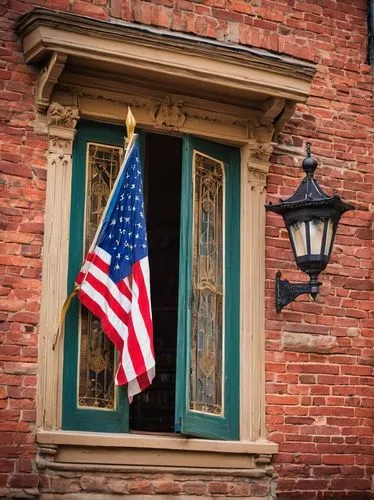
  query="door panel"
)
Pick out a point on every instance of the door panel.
point(208, 321)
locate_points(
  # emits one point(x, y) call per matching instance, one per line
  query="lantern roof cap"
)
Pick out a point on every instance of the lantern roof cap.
point(309, 194)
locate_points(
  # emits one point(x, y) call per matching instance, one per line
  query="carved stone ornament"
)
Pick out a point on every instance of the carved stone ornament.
point(60, 146)
point(169, 113)
point(62, 116)
point(257, 179)
point(259, 151)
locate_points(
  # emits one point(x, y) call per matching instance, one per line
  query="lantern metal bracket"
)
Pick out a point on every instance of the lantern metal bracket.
point(286, 292)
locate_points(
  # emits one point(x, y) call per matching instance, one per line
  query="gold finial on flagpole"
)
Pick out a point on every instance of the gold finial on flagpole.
point(130, 125)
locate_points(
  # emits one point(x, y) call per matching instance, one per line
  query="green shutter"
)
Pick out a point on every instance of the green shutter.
point(193, 416)
point(73, 416)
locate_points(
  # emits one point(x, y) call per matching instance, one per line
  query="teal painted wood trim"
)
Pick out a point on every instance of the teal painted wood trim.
point(184, 288)
point(193, 423)
point(74, 418)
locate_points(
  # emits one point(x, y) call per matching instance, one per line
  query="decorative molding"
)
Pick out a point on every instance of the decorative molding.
point(257, 472)
point(172, 111)
point(233, 73)
point(91, 449)
point(258, 163)
point(62, 116)
point(217, 117)
point(169, 113)
point(61, 121)
point(257, 179)
point(60, 146)
point(48, 78)
point(48, 449)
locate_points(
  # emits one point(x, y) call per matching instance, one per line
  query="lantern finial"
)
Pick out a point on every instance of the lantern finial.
point(309, 163)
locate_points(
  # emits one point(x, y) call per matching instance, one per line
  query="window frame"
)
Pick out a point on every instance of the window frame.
point(117, 421)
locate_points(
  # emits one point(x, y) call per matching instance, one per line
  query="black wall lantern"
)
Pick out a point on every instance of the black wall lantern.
point(311, 218)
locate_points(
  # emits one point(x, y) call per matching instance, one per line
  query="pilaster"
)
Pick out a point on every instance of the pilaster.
point(255, 168)
point(61, 130)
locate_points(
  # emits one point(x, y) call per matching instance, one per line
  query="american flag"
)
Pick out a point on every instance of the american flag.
point(114, 279)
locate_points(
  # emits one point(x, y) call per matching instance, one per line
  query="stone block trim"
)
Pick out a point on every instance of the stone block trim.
point(159, 486)
point(320, 403)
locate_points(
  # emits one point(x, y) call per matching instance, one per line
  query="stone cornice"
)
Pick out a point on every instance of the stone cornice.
point(249, 72)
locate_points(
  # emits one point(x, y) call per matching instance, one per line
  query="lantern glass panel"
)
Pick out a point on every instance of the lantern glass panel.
point(329, 235)
point(316, 227)
point(298, 234)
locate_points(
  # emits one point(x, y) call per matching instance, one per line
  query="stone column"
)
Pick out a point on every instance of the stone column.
point(254, 170)
point(61, 129)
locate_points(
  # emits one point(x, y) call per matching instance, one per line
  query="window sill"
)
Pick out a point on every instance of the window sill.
point(70, 449)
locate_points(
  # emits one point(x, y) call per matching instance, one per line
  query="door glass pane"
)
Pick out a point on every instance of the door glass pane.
point(207, 335)
point(97, 354)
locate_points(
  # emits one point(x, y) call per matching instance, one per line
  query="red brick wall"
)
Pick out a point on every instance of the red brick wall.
point(320, 358)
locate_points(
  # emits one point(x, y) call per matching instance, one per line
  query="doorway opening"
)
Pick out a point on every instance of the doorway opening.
point(153, 410)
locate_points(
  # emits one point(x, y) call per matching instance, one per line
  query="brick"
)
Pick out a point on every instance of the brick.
point(140, 486)
point(94, 483)
point(167, 487)
point(24, 481)
point(218, 487)
point(338, 459)
point(194, 488)
point(117, 485)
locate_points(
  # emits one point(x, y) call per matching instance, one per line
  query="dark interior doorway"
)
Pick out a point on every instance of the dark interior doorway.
point(153, 410)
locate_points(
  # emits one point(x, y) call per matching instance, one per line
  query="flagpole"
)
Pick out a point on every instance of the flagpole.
point(128, 145)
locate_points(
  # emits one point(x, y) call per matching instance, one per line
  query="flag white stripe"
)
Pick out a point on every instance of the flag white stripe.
point(133, 386)
point(140, 326)
point(144, 264)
